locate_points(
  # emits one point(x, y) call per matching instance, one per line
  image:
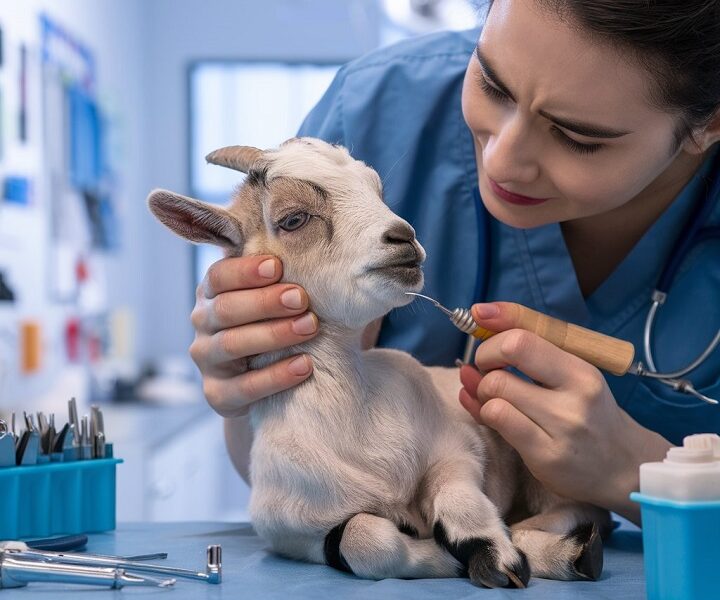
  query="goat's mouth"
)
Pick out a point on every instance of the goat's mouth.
point(407, 273)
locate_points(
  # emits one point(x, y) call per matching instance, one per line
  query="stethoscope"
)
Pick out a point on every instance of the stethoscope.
point(695, 235)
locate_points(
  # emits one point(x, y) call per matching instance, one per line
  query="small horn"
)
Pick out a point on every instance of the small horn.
point(239, 158)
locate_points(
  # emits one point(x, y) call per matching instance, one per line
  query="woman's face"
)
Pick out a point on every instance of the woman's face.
point(560, 120)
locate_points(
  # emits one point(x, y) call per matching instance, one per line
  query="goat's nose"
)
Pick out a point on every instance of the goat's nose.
point(399, 233)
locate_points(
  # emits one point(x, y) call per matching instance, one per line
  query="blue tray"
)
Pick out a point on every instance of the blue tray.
point(57, 498)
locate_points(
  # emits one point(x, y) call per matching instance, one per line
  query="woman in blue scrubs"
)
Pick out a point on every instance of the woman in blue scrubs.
point(588, 131)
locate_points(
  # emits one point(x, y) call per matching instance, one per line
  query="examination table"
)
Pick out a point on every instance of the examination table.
point(249, 571)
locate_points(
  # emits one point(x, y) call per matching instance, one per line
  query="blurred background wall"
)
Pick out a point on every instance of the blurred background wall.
point(101, 101)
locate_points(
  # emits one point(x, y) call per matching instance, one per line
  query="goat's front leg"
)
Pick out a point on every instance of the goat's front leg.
point(564, 541)
point(374, 548)
point(468, 524)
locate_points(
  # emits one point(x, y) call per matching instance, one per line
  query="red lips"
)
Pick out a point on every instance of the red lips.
point(513, 198)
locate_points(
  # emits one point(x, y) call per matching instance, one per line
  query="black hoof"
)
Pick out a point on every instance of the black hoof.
point(589, 562)
point(483, 570)
point(480, 558)
point(519, 574)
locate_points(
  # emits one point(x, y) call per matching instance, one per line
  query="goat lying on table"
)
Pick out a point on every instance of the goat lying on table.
point(366, 466)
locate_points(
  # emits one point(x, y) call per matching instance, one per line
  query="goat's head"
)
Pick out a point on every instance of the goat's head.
point(321, 212)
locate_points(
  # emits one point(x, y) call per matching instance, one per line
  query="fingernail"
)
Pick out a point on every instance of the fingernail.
point(292, 298)
point(267, 268)
point(304, 325)
point(299, 366)
point(486, 311)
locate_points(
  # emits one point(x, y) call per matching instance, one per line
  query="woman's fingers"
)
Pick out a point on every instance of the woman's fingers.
point(254, 338)
point(513, 424)
point(238, 273)
point(470, 404)
point(531, 400)
point(239, 307)
point(241, 310)
point(232, 397)
point(518, 430)
point(534, 356)
point(470, 378)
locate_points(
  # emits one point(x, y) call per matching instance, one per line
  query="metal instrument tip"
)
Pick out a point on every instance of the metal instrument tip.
point(435, 302)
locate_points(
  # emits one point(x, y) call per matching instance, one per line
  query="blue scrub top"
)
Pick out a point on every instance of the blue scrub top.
point(398, 109)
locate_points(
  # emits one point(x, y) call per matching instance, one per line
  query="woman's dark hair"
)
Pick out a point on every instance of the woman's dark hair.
point(677, 41)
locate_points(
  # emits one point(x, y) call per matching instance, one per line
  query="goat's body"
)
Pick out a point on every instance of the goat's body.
point(346, 442)
point(371, 435)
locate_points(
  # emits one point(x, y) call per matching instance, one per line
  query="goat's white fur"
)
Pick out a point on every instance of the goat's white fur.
point(369, 438)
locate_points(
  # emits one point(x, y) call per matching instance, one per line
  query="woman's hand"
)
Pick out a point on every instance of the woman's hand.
point(241, 311)
point(565, 424)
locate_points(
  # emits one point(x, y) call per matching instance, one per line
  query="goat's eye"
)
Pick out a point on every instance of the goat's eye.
point(294, 221)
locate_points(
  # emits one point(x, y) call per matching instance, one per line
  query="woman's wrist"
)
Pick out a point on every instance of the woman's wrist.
point(644, 446)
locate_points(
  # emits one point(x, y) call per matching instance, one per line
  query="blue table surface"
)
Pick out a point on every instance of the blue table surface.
point(250, 571)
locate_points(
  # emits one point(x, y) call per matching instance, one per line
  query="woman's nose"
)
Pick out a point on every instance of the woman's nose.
point(510, 154)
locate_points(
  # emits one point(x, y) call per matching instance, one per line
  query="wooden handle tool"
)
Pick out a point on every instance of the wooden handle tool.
point(603, 351)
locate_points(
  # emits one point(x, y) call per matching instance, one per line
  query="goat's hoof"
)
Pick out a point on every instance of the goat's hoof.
point(485, 564)
point(483, 570)
point(589, 561)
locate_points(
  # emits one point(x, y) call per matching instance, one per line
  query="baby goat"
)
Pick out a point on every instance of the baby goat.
point(367, 466)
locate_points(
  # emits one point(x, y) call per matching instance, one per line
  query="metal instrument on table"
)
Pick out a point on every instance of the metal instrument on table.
point(21, 564)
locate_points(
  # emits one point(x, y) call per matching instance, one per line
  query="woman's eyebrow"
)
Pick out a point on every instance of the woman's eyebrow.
point(581, 128)
point(586, 129)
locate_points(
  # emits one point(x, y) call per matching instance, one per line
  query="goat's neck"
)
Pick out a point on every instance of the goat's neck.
point(337, 357)
point(339, 372)
point(335, 342)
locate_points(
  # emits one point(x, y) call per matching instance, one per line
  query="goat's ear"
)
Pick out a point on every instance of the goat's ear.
point(197, 221)
point(239, 158)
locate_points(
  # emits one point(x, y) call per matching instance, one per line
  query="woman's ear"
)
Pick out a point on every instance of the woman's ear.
point(197, 221)
point(704, 137)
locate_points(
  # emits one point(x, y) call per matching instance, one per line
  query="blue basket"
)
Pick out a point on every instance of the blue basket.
point(681, 547)
point(57, 498)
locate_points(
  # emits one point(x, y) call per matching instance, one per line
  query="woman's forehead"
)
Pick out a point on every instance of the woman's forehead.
point(561, 69)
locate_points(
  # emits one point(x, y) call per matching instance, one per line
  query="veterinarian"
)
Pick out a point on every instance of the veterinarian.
point(588, 131)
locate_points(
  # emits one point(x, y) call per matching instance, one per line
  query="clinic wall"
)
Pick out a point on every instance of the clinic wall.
point(180, 32)
point(113, 31)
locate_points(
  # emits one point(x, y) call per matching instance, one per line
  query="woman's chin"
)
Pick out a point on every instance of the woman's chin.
point(520, 217)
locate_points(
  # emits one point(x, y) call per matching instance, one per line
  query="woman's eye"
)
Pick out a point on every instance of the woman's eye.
point(490, 91)
point(294, 221)
point(573, 145)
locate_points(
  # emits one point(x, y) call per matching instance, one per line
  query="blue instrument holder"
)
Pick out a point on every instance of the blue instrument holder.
point(57, 498)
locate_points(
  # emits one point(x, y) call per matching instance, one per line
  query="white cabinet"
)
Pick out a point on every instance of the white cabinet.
point(176, 466)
